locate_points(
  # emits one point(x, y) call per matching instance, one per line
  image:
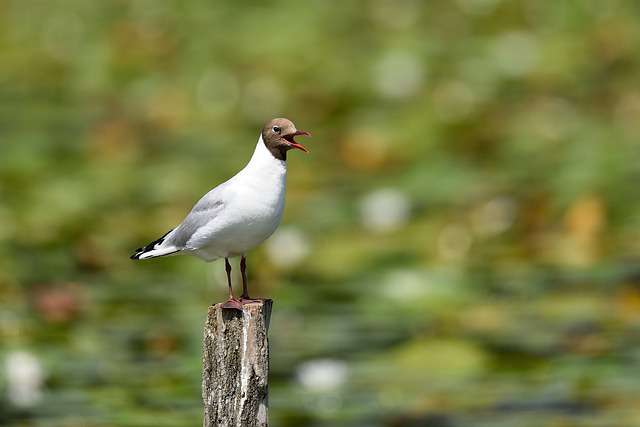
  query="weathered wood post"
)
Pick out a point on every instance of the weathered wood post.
point(236, 365)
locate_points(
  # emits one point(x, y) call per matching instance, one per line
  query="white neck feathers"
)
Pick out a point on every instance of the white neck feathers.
point(263, 163)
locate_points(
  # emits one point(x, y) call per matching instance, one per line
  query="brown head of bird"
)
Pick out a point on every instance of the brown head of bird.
point(279, 137)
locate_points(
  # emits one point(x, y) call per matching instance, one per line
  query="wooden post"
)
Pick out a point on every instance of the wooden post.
point(235, 365)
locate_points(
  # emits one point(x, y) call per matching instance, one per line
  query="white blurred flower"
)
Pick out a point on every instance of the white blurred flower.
point(217, 91)
point(288, 247)
point(24, 379)
point(515, 53)
point(398, 74)
point(454, 241)
point(405, 284)
point(494, 217)
point(385, 210)
point(322, 375)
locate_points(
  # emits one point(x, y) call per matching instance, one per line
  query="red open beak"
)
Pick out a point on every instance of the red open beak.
point(292, 142)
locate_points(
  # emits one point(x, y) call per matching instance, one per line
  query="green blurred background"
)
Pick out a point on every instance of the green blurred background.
point(459, 249)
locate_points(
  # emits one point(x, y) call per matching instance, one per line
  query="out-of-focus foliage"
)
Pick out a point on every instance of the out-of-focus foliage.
point(459, 249)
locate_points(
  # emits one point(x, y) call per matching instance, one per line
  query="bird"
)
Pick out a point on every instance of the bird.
point(239, 214)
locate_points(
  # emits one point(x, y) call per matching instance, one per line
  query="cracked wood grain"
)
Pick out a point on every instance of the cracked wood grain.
point(236, 366)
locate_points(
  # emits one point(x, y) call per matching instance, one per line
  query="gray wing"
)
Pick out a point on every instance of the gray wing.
point(207, 208)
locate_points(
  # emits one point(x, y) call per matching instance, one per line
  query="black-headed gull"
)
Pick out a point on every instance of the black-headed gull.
point(238, 214)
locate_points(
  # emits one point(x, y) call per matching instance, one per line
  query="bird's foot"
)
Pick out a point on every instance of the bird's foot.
point(233, 303)
point(246, 299)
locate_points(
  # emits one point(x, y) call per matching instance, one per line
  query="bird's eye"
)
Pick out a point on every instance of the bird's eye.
point(276, 129)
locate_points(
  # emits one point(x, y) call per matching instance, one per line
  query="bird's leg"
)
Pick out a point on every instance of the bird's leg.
point(227, 267)
point(243, 271)
point(231, 302)
point(245, 298)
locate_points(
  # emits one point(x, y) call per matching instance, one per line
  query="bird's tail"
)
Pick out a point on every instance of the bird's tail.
point(156, 249)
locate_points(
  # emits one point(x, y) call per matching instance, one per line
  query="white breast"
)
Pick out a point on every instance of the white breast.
point(253, 206)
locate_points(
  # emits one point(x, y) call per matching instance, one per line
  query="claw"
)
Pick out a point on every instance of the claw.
point(248, 300)
point(233, 304)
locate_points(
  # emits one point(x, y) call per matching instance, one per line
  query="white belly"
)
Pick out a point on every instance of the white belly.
point(248, 219)
point(254, 222)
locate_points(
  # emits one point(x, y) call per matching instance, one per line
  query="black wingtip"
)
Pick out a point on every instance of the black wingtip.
point(151, 246)
point(136, 254)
